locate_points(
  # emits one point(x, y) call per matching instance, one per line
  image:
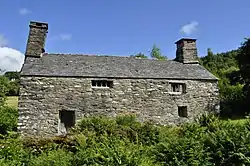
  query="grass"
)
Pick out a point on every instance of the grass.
point(12, 101)
point(238, 121)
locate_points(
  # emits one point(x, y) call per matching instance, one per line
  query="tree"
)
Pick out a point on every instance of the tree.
point(244, 64)
point(141, 55)
point(12, 75)
point(210, 52)
point(14, 78)
point(4, 89)
point(226, 68)
point(156, 53)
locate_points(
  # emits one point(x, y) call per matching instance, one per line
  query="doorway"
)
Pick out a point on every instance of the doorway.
point(66, 121)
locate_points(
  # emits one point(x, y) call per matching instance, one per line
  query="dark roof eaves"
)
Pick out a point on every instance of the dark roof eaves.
point(168, 78)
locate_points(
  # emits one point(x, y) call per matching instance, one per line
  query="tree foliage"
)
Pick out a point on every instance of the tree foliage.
point(244, 65)
point(9, 84)
point(226, 67)
point(141, 55)
point(4, 89)
point(11, 75)
point(156, 53)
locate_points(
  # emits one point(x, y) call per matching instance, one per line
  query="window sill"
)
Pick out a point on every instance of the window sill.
point(175, 93)
point(100, 87)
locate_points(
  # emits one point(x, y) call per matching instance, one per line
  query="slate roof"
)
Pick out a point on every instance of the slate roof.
point(69, 65)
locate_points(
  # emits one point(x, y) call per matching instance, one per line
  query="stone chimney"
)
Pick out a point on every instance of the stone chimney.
point(186, 51)
point(36, 40)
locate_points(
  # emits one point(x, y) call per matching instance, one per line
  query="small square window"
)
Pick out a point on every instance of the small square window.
point(178, 87)
point(182, 111)
point(102, 84)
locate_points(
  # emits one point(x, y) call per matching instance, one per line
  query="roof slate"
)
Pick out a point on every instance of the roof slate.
point(69, 65)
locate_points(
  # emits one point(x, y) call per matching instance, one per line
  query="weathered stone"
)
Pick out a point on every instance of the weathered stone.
point(41, 118)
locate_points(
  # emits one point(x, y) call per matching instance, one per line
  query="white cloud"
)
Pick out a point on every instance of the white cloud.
point(24, 11)
point(65, 36)
point(189, 28)
point(3, 41)
point(10, 59)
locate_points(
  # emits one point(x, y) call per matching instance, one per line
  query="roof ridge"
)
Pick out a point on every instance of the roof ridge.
point(115, 56)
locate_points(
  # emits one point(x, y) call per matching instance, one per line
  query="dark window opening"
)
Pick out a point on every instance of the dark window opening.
point(178, 87)
point(184, 88)
point(102, 83)
point(182, 111)
point(99, 83)
point(67, 121)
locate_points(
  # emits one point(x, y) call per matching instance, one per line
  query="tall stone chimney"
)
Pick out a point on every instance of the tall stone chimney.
point(36, 40)
point(186, 51)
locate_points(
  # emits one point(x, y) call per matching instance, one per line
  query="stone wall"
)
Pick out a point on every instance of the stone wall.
point(42, 98)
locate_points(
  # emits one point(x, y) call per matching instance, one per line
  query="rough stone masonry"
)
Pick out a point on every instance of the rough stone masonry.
point(57, 90)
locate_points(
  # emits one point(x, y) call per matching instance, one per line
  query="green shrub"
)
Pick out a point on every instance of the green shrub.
point(124, 141)
point(123, 127)
point(226, 141)
point(128, 120)
point(182, 152)
point(97, 124)
point(43, 145)
point(207, 119)
point(8, 119)
point(110, 151)
point(52, 158)
point(12, 151)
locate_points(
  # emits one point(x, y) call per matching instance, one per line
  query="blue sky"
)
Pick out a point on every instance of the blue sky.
point(116, 27)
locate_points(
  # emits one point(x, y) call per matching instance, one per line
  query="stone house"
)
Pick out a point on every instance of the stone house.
point(58, 89)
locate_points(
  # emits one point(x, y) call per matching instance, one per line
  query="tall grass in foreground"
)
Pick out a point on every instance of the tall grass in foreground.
point(124, 141)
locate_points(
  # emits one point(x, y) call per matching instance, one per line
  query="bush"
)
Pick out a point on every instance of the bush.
point(52, 158)
point(110, 151)
point(8, 119)
point(124, 141)
point(182, 152)
point(44, 145)
point(125, 127)
point(12, 152)
point(206, 119)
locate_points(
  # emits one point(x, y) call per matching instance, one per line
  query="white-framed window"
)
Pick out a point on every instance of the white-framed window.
point(102, 83)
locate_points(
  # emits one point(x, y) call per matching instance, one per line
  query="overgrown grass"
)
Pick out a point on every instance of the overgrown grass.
point(124, 141)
